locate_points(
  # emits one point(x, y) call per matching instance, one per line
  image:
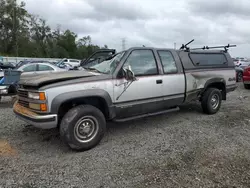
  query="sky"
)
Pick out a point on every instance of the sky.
point(154, 23)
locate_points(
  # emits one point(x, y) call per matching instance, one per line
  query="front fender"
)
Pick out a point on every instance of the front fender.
point(67, 96)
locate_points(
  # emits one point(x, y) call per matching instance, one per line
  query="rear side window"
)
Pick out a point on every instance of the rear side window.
point(208, 59)
point(30, 68)
point(168, 62)
point(44, 68)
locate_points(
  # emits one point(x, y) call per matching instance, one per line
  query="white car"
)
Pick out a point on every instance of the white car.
point(39, 68)
point(72, 62)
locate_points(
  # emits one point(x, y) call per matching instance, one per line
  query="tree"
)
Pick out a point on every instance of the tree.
point(24, 34)
point(13, 24)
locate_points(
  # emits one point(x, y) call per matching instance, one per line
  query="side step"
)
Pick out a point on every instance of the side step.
point(147, 115)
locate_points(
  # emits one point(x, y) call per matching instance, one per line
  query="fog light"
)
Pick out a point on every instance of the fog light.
point(34, 106)
point(40, 107)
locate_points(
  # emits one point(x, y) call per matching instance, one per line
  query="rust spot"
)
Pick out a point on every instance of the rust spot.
point(22, 110)
point(6, 149)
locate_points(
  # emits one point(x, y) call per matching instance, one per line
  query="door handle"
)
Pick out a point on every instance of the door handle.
point(158, 81)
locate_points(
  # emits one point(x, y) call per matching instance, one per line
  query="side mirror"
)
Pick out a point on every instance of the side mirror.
point(129, 74)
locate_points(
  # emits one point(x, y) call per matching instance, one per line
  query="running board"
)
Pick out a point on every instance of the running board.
point(147, 115)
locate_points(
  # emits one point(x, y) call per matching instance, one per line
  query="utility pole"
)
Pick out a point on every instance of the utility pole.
point(175, 46)
point(123, 43)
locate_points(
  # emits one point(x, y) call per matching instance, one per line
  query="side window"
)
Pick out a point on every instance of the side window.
point(30, 68)
point(44, 68)
point(207, 59)
point(142, 62)
point(168, 62)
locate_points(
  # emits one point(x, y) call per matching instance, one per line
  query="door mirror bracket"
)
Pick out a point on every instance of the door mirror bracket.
point(129, 74)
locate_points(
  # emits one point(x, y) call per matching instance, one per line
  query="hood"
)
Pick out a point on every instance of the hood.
point(43, 79)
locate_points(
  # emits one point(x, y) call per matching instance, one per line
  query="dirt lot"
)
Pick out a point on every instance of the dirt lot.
point(183, 149)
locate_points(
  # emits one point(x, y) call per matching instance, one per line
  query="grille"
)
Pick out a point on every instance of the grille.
point(22, 93)
point(23, 103)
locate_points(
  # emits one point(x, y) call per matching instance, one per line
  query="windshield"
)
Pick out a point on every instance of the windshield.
point(108, 66)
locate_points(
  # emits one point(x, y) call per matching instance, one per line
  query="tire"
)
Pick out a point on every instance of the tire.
point(211, 101)
point(247, 86)
point(239, 77)
point(72, 127)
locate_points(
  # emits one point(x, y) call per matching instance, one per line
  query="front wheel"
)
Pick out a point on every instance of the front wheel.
point(211, 101)
point(83, 127)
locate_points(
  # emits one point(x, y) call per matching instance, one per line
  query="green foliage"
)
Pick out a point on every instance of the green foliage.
point(24, 34)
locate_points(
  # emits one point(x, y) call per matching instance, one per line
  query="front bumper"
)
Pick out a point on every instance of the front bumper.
point(37, 120)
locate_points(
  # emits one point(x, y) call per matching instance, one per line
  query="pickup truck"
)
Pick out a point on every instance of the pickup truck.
point(135, 83)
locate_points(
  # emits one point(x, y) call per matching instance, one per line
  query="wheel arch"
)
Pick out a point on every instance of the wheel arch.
point(96, 97)
point(218, 83)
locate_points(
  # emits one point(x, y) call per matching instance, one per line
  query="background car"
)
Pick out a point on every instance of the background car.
point(239, 68)
point(21, 63)
point(72, 62)
point(39, 68)
point(7, 65)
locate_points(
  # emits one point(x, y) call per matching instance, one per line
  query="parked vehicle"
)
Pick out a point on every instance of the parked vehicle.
point(246, 77)
point(21, 63)
point(242, 63)
point(135, 83)
point(9, 82)
point(72, 62)
point(7, 65)
point(39, 68)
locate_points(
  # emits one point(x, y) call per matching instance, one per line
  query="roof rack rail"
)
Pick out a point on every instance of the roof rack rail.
point(185, 46)
point(214, 47)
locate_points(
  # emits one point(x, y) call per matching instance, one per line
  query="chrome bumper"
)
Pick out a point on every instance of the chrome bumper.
point(37, 120)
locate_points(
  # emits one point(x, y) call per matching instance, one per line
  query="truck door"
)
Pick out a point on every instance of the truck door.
point(143, 95)
point(173, 78)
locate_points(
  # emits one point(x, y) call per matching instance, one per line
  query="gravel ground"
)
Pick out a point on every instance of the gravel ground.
point(183, 149)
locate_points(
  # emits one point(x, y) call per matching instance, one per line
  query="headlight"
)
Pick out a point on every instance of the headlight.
point(37, 95)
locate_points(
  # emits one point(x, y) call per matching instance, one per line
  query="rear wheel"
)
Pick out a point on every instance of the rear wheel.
point(239, 77)
point(247, 86)
point(211, 101)
point(83, 127)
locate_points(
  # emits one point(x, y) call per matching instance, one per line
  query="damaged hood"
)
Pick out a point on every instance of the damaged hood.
point(43, 79)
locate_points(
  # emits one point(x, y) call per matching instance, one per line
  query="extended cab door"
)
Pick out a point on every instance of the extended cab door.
point(143, 95)
point(173, 78)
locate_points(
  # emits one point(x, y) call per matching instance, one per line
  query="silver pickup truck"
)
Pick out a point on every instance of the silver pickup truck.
point(135, 83)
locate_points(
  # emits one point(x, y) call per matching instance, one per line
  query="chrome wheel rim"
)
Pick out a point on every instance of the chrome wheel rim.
point(86, 129)
point(215, 100)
